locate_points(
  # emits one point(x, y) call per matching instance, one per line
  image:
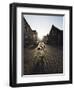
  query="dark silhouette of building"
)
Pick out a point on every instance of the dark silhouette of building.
point(30, 36)
point(34, 36)
point(45, 39)
point(55, 37)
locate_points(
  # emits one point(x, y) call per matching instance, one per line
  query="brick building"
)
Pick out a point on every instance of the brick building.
point(30, 36)
point(55, 37)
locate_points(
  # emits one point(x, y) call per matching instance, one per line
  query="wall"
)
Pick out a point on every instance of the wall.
point(4, 43)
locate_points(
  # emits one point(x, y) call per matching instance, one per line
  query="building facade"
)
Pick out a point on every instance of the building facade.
point(30, 36)
point(55, 37)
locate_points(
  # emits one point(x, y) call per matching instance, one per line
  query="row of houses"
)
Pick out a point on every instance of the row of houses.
point(55, 37)
point(30, 36)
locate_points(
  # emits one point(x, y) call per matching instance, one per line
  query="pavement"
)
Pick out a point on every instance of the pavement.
point(44, 59)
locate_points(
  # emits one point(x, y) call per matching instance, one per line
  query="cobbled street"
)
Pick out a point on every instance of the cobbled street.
point(43, 59)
